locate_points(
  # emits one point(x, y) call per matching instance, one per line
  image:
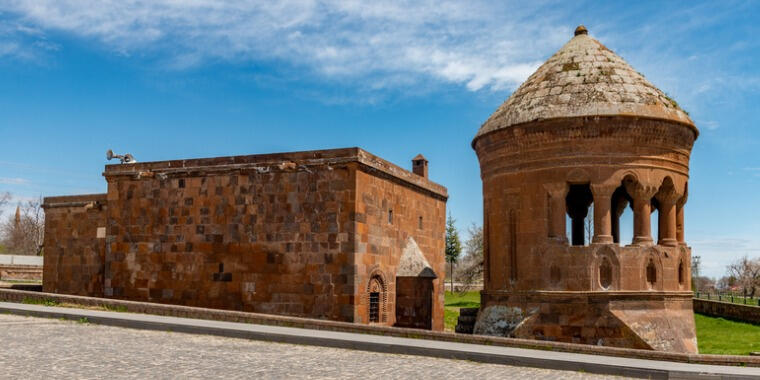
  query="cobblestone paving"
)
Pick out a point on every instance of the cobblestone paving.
point(36, 348)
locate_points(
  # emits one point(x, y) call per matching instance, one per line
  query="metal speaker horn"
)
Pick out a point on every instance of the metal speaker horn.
point(125, 158)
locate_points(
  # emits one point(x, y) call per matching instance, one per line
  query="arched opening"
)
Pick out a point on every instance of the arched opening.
point(579, 199)
point(651, 274)
point(622, 216)
point(654, 220)
point(376, 297)
point(605, 273)
point(681, 274)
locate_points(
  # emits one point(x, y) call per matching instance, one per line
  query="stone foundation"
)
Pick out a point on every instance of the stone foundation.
point(660, 321)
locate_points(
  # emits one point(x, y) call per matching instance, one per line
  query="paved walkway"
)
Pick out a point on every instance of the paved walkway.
point(369, 355)
point(36, 348)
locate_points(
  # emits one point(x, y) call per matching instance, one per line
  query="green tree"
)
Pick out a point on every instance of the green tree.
point(453, 246)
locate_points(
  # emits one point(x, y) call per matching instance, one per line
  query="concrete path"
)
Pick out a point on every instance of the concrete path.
point(384, 344)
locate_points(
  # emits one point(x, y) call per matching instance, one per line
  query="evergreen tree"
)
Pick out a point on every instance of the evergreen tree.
point(453, 246)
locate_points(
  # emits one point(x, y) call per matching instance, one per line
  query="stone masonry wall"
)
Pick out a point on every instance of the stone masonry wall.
point(275, 240)
point(381, 238)
point(74, 253)
point(298, 233)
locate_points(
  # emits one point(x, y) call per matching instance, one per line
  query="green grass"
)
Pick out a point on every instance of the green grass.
point(724, 337)
point(117, 308)
point(40, 301)
point(33, 282)
point(714, 335)
point(454, 302)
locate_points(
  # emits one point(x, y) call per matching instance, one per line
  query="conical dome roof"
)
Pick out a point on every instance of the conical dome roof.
point(584, 78)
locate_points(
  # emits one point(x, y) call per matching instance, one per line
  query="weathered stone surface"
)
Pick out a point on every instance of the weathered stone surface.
point(584, 78)
point(413, 262)
point(306, 233)
point(498, 320)
point(20, 272)
point(584, 130)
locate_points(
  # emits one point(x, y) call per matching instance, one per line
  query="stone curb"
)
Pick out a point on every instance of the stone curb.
point(19, 296)
point(376, 343)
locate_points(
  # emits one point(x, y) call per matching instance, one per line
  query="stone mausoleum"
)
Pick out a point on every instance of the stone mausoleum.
point(333, 234)
point(586, 131)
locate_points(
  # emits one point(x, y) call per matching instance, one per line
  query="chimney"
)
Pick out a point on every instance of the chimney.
point(420, 166)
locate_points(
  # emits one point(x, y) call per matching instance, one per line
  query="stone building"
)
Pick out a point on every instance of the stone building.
point(333, 234)
point(587, 130)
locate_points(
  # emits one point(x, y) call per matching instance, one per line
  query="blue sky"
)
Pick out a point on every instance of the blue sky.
point(180, 79)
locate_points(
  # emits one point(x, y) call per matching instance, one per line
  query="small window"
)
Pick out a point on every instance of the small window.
point(420, 223)
point(651, 273)
point(555, 275)
point(390, 216)
point(681, 277)
point(605, 273)
point(374, 307)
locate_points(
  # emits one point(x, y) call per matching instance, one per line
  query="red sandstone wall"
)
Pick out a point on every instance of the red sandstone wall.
point(284, 233)
point(276, 242)
point(379, 243)
point(73, 261)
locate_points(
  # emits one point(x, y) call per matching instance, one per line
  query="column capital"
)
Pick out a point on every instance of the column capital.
point(603, 190)
point(641, 191)
point(557, 189)
point(667, 196)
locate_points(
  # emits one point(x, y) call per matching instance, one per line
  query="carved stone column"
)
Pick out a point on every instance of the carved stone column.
point(667, 218)
point(602, 213)
point(557, 210)
point(679, 219)
point(667, 226)
point(642, 211)
point(619, 203)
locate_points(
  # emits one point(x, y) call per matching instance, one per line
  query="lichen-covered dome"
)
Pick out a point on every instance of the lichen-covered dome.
point(584, 78)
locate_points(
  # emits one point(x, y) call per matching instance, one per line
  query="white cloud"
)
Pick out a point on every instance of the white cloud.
point(478, 44)
point(708, 124)
point(13, 181)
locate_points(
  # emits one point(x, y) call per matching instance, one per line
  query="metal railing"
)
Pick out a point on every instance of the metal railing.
point(728, 297)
